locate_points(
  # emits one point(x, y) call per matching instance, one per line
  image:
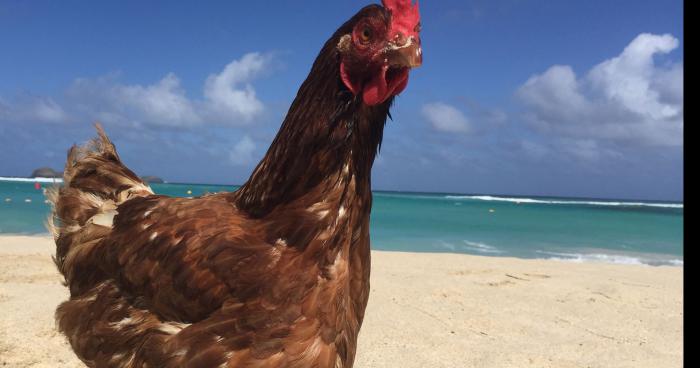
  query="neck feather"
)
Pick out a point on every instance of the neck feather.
point(326, 127)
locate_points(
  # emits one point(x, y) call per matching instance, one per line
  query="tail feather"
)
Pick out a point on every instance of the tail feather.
point(96, 168)
point(105, 329)
point(95, 183)
point(102, 323)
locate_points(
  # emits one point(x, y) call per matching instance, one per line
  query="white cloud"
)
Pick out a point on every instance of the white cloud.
point(555, 95)
point(229, 93)
point(163, 103)
point(627, 98)
point(228, 98)
point(32, 108)
point(46, 109)
point(627, 79)
point(446, 118)
point(242, 153)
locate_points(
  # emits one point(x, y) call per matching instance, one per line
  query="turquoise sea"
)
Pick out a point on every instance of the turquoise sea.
point(575, 229)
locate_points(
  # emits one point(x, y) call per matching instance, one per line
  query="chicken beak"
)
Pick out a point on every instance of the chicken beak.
point(407, 54)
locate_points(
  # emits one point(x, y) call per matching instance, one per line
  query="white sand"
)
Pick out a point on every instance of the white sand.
point(428, 310)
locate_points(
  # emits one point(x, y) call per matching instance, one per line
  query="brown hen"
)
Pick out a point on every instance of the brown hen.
point(275, 274)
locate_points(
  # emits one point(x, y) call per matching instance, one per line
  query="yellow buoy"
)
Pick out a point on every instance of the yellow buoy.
point(189, 191)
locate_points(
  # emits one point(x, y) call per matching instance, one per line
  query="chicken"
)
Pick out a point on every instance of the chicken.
point(275, 274)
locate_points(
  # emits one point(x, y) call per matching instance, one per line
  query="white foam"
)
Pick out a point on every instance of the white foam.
point(611, 258)
point(469, 247)
point(32, 180)
point(544, 201)
point(481, 247)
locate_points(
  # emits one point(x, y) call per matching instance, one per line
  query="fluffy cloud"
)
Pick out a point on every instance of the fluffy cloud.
point(242, 153)
point(446, 118)
point(230, 93)
point(228, 98)
point(624, 99)
point(164, 101)
point(32, 108)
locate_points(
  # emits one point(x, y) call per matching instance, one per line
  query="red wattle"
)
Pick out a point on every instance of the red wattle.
point(400, 86)
point(378, 89)
point(353, 87)
point(375, 90)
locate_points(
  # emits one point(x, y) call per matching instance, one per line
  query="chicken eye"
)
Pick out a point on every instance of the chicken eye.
point(365, 35)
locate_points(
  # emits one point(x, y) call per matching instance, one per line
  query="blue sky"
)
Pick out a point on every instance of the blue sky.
point(566, 98)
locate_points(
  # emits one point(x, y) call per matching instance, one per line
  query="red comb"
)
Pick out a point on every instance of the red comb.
point(404, 16)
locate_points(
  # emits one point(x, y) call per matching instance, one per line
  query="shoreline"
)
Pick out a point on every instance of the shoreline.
point(576, 258)
point(507, 196)
point(428, 310)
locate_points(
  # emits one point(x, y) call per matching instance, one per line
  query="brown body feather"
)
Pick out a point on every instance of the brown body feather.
point(275, 274)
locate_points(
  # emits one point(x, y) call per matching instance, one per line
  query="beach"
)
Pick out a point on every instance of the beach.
point(428, 310)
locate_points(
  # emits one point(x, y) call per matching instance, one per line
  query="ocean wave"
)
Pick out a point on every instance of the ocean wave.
point(32, 180)
point(569, 202)
point(612, 258)
point(468, 247)
point(480, 247)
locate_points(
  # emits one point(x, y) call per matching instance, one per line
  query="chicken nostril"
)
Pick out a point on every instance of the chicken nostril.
point(400, 39)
